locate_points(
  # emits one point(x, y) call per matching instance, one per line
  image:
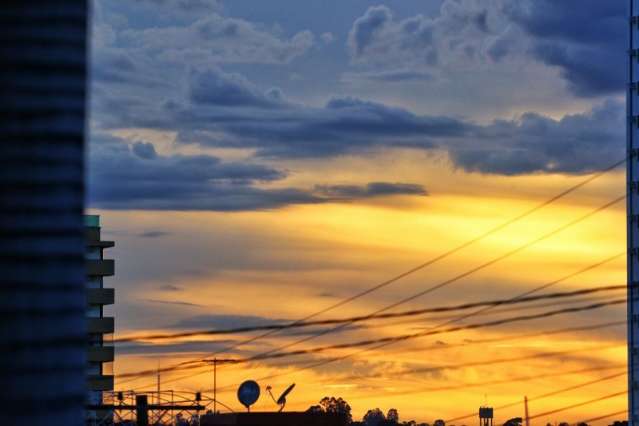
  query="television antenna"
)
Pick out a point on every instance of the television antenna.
point(281, 401)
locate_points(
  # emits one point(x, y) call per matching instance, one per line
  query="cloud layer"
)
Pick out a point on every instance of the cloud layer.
point(134, 176)
point(591, 58)
point(175, 77)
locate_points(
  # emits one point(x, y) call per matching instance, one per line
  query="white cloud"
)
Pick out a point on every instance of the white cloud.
point(457, 37)
point(217, 39)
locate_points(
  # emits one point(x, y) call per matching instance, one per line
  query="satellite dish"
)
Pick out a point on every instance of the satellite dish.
point(248, 393)
point(281, 401)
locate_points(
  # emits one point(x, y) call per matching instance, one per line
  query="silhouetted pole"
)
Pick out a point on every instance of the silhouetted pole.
point(42, 294)
point(527, 414)
point(215, 386)
point(142, 410)
point(215, 361)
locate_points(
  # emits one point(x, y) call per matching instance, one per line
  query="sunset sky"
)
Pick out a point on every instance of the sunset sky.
point(257, 161)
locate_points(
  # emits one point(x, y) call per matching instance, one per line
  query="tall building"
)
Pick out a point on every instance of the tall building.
point(100, 353)
point(632, 189)
point(42, 297)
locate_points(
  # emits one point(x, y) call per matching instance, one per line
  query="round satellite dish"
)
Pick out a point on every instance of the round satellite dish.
point(248, 393)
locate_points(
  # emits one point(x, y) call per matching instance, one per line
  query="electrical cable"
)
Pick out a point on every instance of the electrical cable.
point(546, 395)
point(403, 337)
point(441, 256)
point(602, 417)
point(457, 277)
point(581, 404)
point(442, 284)
point(356, 319)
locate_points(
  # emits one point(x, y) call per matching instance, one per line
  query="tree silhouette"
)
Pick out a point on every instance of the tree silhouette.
point(392, 416)
point(620, 423)
point(374, 417)
point(515, 421)
point(332, 405)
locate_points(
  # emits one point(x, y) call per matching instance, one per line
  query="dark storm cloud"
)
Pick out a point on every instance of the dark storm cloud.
point(171, 302)
point(249, 119)
point(123, 176)
point(457, 32)
point(532, 143)
point(232, 90)
point(224, 321)
point(225, 110)
point(153, 234)
point(394, 76)
point(578, 143)
point(144, 150)
point(183, 347)
point(215, 39)
point(342, 126)
point(371, 190)
point(586, 39)
point(367, 26)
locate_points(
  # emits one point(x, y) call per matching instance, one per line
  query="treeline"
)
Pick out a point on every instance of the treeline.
point(376, 417)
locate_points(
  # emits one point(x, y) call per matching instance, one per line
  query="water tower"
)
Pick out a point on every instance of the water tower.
point(485, 416)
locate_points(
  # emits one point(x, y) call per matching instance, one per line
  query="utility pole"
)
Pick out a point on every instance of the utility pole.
point(215, 386)
point(157, 399)
point(141, 410)
point(527, 415)
point(215, 361)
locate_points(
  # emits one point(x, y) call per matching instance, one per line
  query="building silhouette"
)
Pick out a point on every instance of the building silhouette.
point(100, 353)
point(486, 416)
point(274, 419)
point(43, 295)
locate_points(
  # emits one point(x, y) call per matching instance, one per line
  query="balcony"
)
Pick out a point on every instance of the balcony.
point(99, 383)
point(103, 268)
point(101, 325)
point(100, 296)
point(100, 354)
point(92, 238)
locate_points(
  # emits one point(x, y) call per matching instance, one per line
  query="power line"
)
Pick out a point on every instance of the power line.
point(356, 319)
point(581, 404)
point(475, 342)
point(422, 293)
point(512, 338)
point(340, 358)
point(437, 258)
point(603, 417)
point(546, 395)
point(498, 361)
point(527, 294)
point(460, 276)
point(381, 345)
point(403, 337)
point(383, 342)
point(517, 379)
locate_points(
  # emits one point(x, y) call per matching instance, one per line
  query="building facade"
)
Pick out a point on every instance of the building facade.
point(42, 296)
point(100, 353)
point(632, 163)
